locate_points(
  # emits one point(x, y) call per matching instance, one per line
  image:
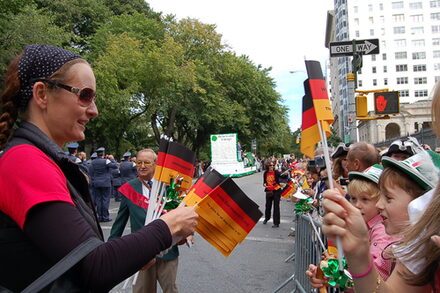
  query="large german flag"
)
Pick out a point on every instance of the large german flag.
point(204, 185)
point(176, 161)
point(228, 215)
point(309, 127)
point(318, 90)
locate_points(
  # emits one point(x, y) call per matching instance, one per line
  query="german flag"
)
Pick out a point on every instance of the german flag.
point(227, 216)
point(318, 90)
point(289, 190)
point(177, 161)
point(161, 154)
point(204, 185)
point(309, 127)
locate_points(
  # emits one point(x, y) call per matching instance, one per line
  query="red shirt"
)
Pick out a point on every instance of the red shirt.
point(29, 177)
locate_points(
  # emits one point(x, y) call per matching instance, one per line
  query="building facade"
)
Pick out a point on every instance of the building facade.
point(409, 59)
point(413, 117)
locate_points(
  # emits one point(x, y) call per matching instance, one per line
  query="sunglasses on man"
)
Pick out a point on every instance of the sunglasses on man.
point(86, 95)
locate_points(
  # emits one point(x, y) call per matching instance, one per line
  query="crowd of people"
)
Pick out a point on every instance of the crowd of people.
point(384, 207)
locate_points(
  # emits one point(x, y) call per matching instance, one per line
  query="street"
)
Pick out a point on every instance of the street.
point(256, 265)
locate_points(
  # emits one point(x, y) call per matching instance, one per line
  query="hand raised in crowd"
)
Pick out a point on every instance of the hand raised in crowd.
point(181, 221)
point(314, 281)
point(344, 220)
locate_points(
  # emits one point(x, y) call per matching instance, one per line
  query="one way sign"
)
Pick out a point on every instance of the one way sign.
point(366, 47)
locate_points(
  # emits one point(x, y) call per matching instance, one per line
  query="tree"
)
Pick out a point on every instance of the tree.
point(28, 26)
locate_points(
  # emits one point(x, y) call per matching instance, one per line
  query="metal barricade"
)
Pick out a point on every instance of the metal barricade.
point(307, 251)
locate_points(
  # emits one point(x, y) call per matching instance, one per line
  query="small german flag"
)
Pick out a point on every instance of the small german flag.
point(309, 127)
point(289, 190)
point(176, 161)
point(204, 185)
point(318, 90)
point(227, 216)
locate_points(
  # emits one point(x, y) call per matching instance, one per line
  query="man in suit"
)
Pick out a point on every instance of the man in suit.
point(134, 206)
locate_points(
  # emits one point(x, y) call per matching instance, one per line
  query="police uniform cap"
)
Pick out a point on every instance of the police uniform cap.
point(100, 150)
point(94, 156)
point(127, 154)
point(73, 145)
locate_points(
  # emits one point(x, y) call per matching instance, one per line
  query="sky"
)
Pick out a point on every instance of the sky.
point(277, 33)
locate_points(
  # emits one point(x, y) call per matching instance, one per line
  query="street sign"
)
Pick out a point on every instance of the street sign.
point(365, 47)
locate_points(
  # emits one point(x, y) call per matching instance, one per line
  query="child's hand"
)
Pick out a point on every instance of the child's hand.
point(314, 281)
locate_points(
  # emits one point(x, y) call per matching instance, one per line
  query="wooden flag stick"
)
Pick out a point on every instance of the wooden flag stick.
point(330, 181)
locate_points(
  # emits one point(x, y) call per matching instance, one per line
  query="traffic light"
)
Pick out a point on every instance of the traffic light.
point(386, 103)
point(361, 106)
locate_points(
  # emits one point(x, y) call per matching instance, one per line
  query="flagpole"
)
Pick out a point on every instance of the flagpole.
point(330, 180)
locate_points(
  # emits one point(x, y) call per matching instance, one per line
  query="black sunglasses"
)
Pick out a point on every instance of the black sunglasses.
point(86, 95)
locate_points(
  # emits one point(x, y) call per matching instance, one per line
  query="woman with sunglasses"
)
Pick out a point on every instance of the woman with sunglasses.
point(271, 183)
point(45, 207)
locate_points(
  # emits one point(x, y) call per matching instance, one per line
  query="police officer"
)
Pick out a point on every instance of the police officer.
point(102, 183)
point(73, 149)
point(116, 179)
point(128, 168)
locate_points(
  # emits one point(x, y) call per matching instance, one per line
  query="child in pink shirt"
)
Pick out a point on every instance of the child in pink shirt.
point(364, 194)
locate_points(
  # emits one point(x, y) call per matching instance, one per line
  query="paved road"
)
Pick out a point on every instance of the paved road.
point(256, 265)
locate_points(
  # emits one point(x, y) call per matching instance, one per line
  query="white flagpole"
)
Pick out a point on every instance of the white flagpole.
point(330, 180)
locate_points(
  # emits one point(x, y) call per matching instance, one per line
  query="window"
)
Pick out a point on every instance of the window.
point(435, 29)
point(360, 71)
point(416, 5)
point(436, 41)
point(370, 7)
point(371, 32)
point(416, 18)
point(418, 43)
point(355, 9)
point(382, 31)
point(383, 44)
point(421, 93)
point(400, 55)
point(397, 5)
point(381, 6)
point(382, 19)
point(398, 17)
point(404, 93)
point(419, 67)
point(436, 78)
point(435, 16)
point(360, 83)
point(371, 20)
point(436, 54)
point(373, 57)
point(385, 81)
point(401, 67)
point(385, 69)
point(357, 34)
point(356, 21)
point(400, 43)
point(417, 30)
point(436, 66)
point(434, 3)
point(418, 55)
point(374, 81)
point(420, 80)
point(384, 56)
point(402, 80)
point(373, 69)
point(399, 30)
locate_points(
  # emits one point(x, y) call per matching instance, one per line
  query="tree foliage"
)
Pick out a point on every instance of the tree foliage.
point(155, 75)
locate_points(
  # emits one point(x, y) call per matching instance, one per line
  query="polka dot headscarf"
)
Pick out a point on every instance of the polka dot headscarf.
point(39, 61)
